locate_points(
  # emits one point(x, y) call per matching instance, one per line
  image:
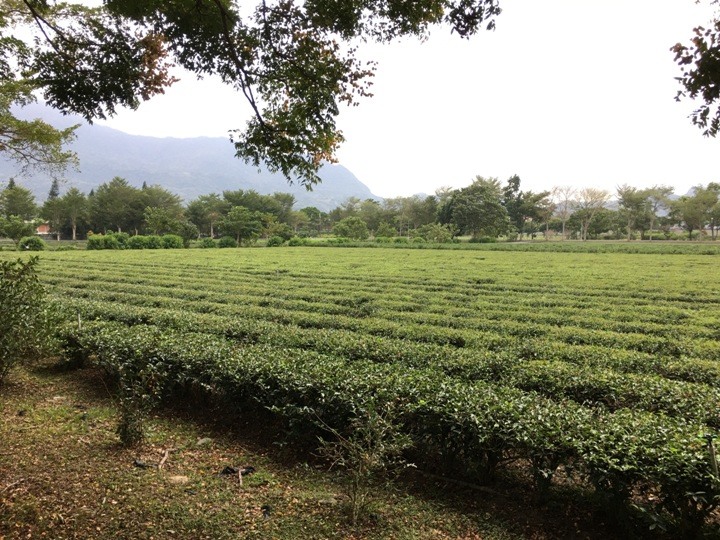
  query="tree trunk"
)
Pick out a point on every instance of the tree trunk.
point(74, 230)
point(652, 224)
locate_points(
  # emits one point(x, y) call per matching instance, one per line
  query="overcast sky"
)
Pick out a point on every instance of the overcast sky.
point(563, 92)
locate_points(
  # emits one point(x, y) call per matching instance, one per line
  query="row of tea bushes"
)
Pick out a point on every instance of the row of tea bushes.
point(470, 427)
point(585, 384)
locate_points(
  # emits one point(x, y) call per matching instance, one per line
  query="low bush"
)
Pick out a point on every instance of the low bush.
point(275, 241)
point(297, 241)
point(25, 321)
point(483, 240)
point(227, 242)
point(32, 243)
point(153, 241)
point(137, 242)
point(172, 241)
point(207, 243)
point(102, 241)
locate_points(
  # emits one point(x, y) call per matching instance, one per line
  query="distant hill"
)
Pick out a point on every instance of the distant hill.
point(189, 167)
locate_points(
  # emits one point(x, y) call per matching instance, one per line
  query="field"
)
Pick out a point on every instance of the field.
point(591, 371)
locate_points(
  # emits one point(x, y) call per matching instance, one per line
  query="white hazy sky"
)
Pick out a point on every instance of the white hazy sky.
point(563, 92)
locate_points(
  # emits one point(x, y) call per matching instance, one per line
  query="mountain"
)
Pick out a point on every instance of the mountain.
point(189, 167)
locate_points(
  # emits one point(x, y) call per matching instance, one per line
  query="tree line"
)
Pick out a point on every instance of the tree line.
point(484, 210)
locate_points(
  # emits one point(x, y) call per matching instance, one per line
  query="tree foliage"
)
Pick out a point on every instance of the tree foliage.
point(244, 224)
point(588, 203)
point(18, 201)
point(288, 59)
point(700, 75)
point(477, 209)
point(352, 227)
point(31, 144)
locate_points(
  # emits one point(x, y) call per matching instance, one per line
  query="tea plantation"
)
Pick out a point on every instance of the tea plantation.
point(600, 370)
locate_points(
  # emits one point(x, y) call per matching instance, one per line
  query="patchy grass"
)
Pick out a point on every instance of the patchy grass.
point(64, 475)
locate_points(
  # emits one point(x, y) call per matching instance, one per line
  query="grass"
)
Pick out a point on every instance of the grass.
point(63, 475)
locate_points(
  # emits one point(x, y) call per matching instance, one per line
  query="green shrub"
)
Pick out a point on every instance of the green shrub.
point(154, 242)
point(401, 240)
point(172, 241)
point(275, 241)
point(383, 239)
point(227, 242)
point(483, 240)
point(137, 242)
point(112, 242)
point(24, 318)
point(207, 243)
point(121, 238)
point(297, 241)
point(96, 241)
point(100, 241)
point(32, 243)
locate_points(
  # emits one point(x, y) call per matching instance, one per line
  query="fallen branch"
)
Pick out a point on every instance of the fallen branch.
point(165, 457)
point(11, 485)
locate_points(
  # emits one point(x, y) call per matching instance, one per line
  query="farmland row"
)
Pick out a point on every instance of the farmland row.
point(632, 290)
point(481, 313)
point(474, 425)
point(472, 333)
point(589, 383)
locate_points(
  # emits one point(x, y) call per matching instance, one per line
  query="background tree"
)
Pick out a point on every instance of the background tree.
point(478, 209)
point(386, 230)
point(15, 228)
point(17, 201)
point(371, 212)
point(74, 206)
point(349, 207)
point(186, 230)
point(285, 201)
point(52, 211)
point(206, 211)
point(439, 234)
point(512, 201)
point(546, 209)
point(658, 199)
point(604, 222)
point(564, 197)
point(116, 205)
point(692, 211)
point(160, 220)
point(352, 227)
point(156, 196)
point(299, 221)
point(713, 220)
point(317, 220)
point(587, 205)
point(245, 225)
point(634, 206)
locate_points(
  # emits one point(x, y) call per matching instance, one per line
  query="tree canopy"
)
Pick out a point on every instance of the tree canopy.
point(293, 61)
point(699, 62)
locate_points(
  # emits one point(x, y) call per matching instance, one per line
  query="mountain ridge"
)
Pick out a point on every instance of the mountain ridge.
point(188, 167)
